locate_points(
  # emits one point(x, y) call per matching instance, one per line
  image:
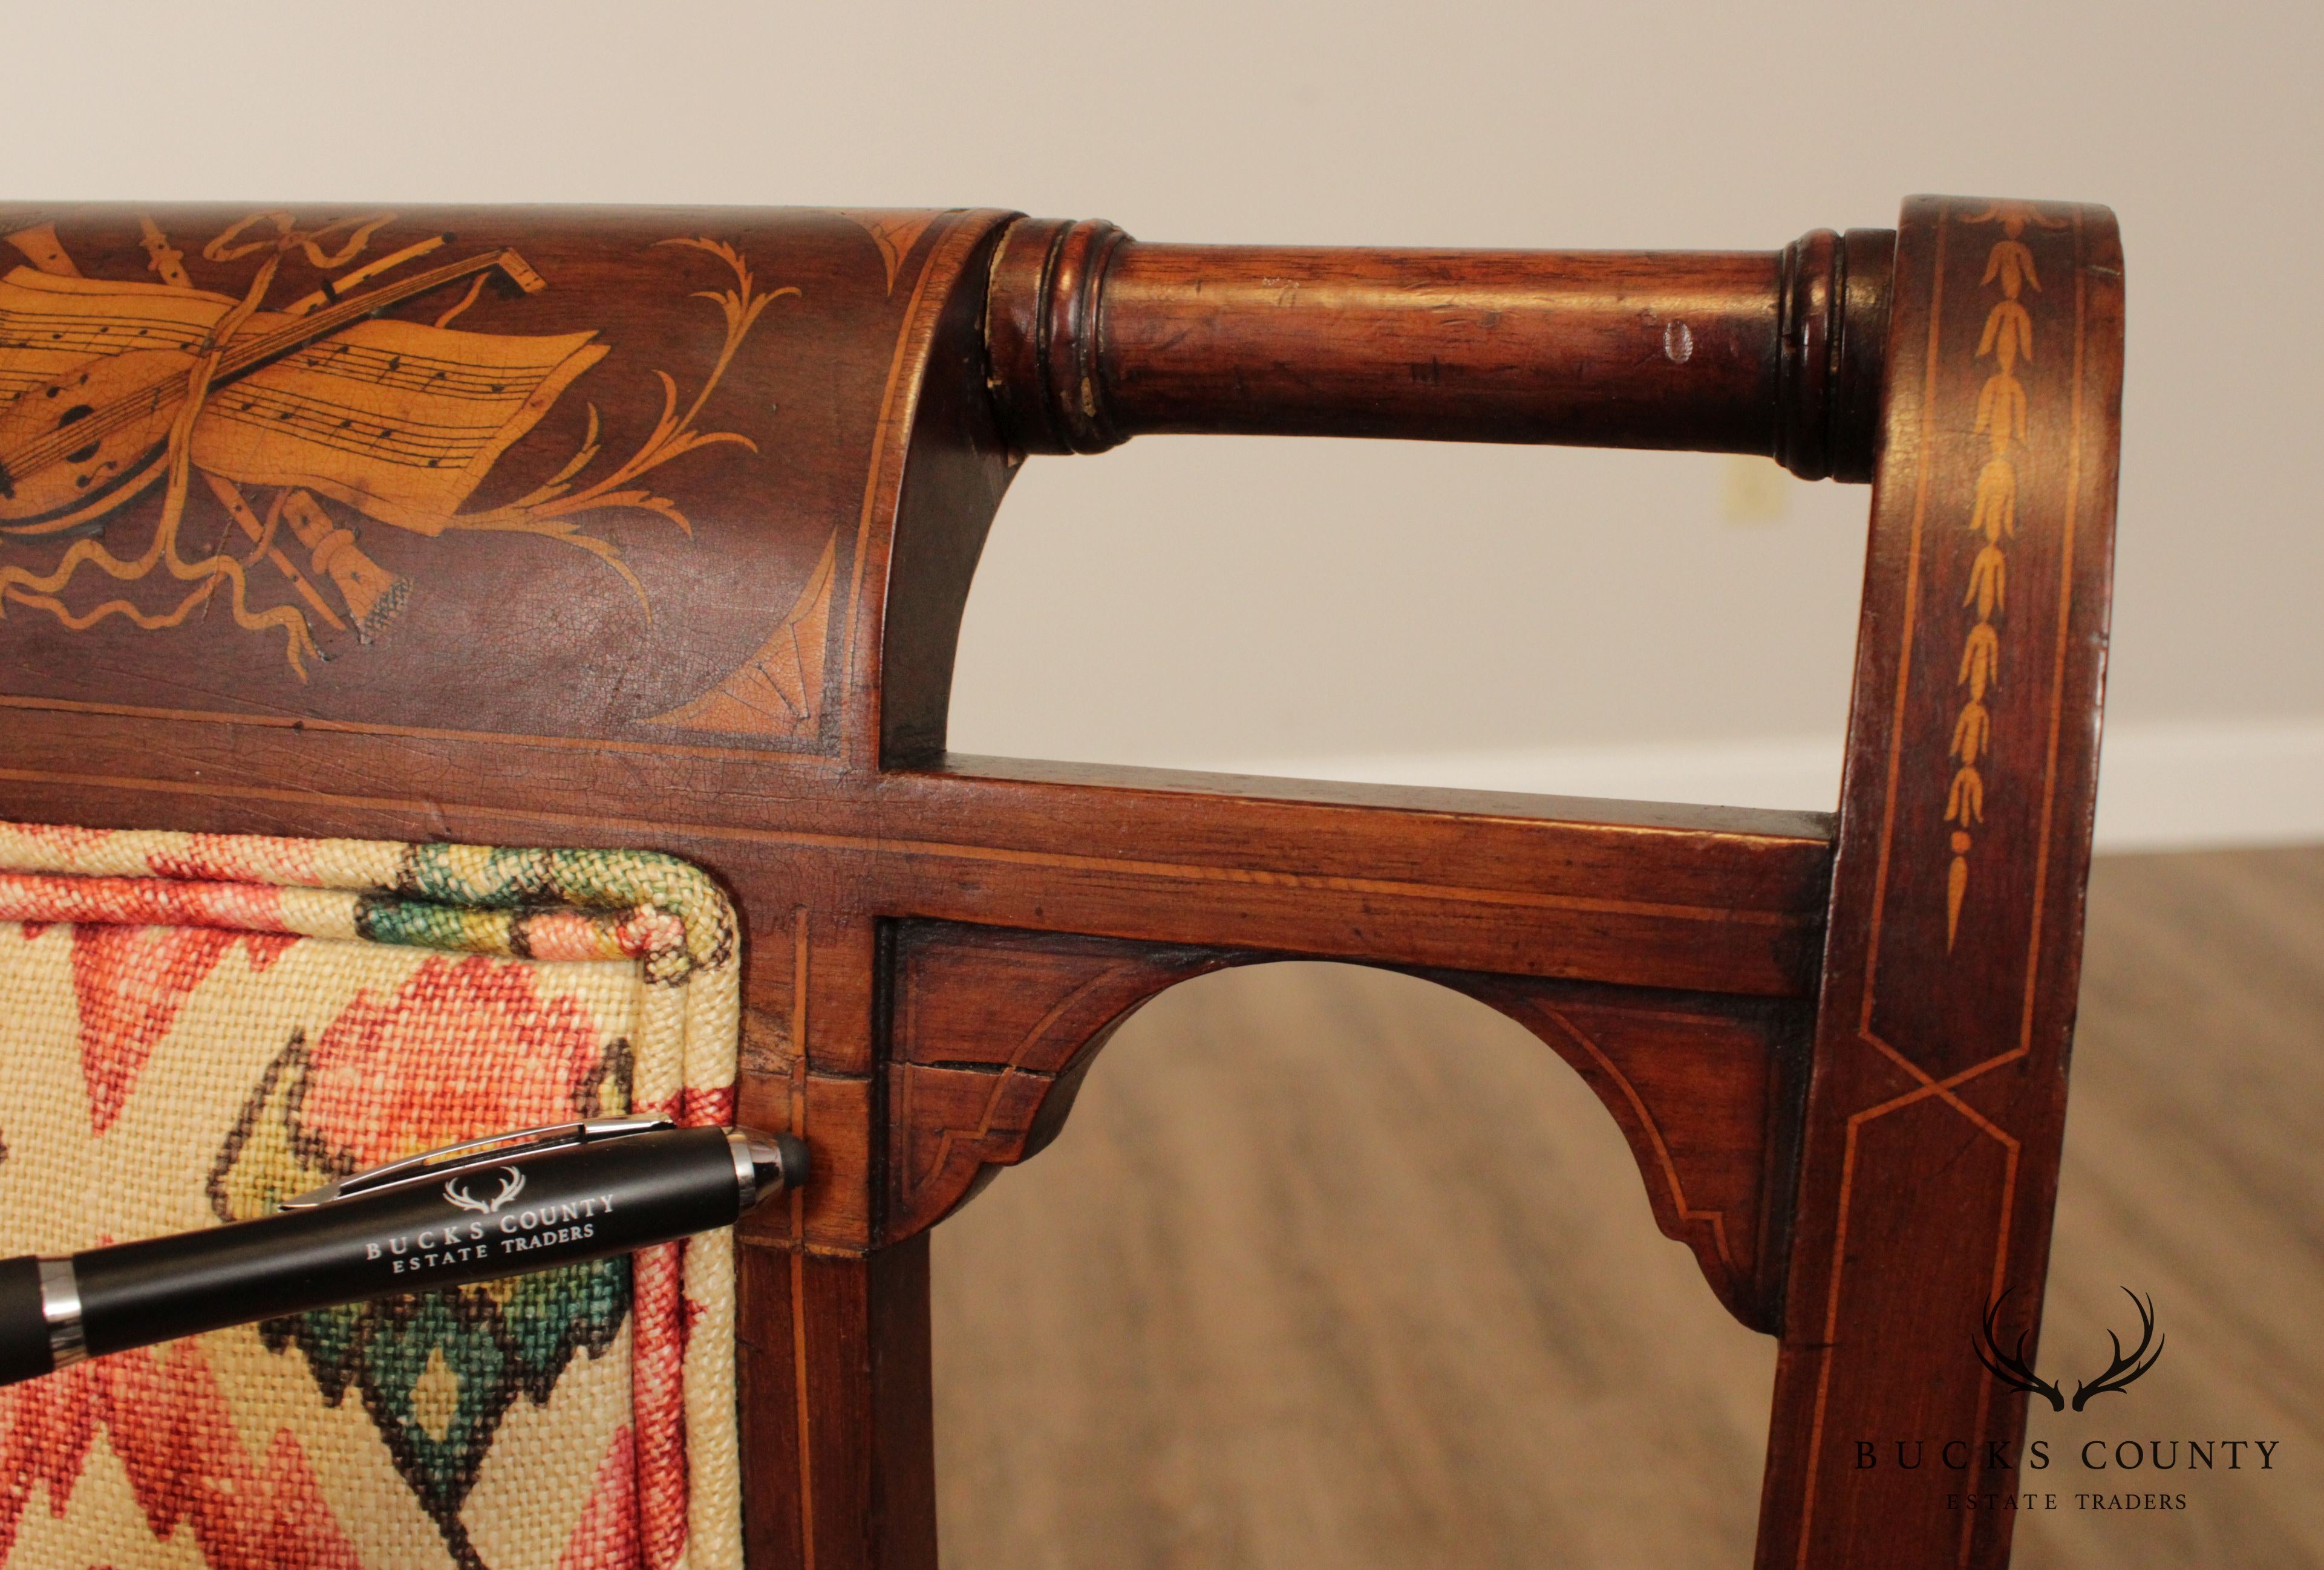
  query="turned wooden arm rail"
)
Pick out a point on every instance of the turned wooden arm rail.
point(1092, 337)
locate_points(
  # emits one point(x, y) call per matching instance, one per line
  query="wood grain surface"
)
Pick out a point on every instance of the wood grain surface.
point(1335, 1267)
point(1096, 338)
point(659, 535)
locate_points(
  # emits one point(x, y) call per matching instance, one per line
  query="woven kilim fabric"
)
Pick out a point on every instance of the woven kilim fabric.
point(195, 1026)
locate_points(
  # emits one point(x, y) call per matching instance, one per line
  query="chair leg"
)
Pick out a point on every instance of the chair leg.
point(1891, 1444)
point(838, 1443)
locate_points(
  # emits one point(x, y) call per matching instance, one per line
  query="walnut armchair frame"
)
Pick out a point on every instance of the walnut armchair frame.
point(1836, 1043)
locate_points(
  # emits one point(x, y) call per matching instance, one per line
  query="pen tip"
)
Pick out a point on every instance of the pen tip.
point(778, 1161)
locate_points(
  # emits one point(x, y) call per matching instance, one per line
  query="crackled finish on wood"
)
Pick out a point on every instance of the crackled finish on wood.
point(653, 528)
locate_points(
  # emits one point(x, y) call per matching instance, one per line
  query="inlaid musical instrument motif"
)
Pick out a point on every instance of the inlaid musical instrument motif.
point(266, 421)
point(102, 427)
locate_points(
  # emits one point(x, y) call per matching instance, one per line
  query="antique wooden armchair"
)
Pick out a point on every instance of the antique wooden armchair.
point(705, 603)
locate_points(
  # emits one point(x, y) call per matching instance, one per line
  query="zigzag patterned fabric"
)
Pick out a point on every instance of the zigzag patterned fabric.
point(195, 1026)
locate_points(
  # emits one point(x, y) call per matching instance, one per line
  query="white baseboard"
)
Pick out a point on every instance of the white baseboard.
point(2161, 786)
point(2186, 786)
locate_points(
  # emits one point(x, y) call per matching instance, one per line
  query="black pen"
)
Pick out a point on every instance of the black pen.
point(471, 1212)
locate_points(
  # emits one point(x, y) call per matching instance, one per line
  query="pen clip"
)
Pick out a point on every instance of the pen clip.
point(490, 1150)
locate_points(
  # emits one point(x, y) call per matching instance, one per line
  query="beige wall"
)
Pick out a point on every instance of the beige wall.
point(1184, 600)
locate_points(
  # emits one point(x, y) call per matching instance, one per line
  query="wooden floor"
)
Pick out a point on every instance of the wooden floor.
point(1333, 1269)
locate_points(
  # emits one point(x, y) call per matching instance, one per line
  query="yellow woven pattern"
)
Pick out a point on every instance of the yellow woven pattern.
point(192, 1026)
